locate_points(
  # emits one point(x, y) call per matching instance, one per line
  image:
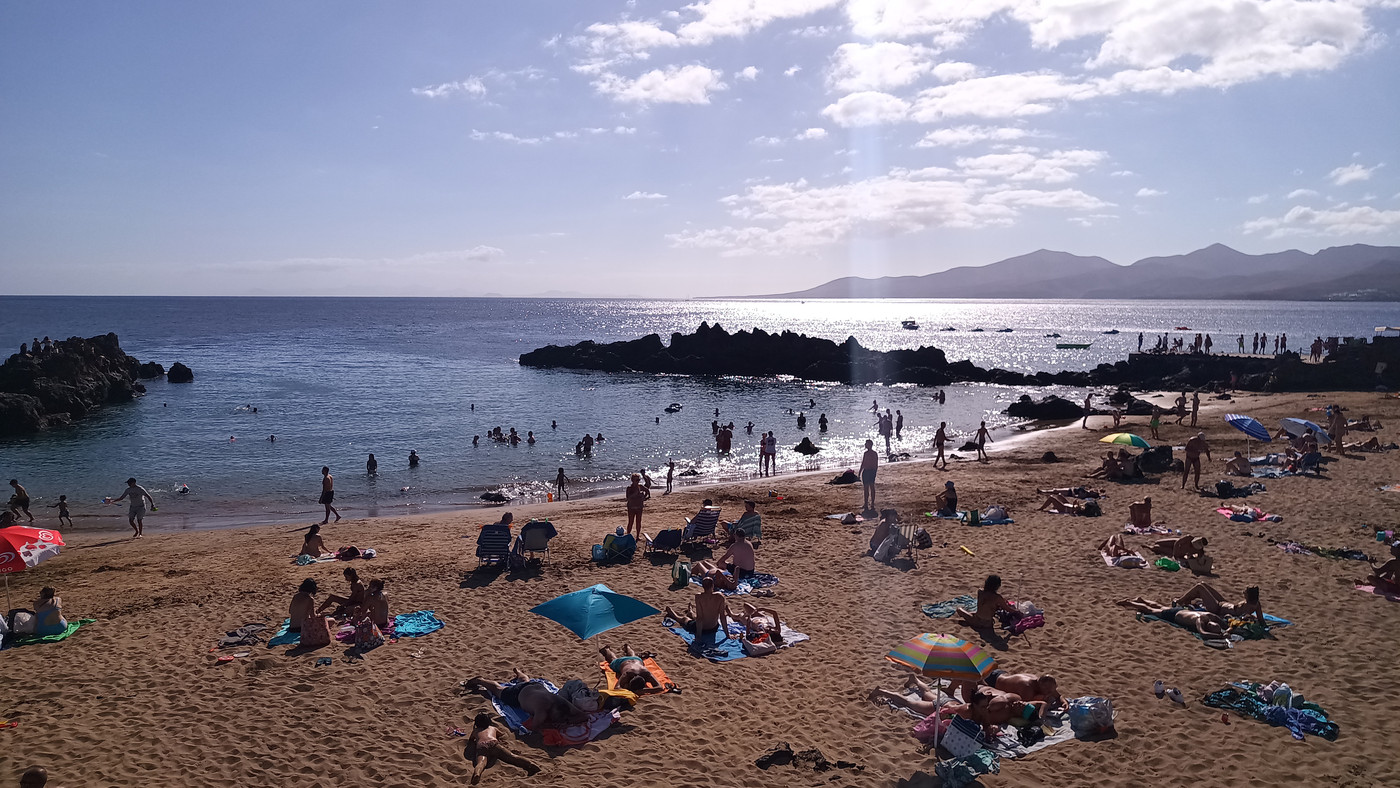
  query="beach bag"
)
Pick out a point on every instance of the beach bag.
point(758, 645)
point(1090, 716)
point(1224, 489)
point(599, 553)
point(680, 572)
point(922, 539)
point(924, 730)
point(315, 631)
point(23, 622)
point(1092, 508)
point(994, 512)
point(963, 738)
point(974, 517)
point(367, 635)
point(583, 697)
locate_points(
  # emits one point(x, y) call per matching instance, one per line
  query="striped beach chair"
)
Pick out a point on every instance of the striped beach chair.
point(702, 526)
point(493, 544)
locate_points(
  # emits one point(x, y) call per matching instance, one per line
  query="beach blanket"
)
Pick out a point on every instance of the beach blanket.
point(1253, 515)
point(947, 609)
point(1378, 592)
point(1254, 633)
point(415, 624)
point(650, 664)
point(246, 635)
point(1391, 488)
point(748, 585)
point(1007, 744)
point(284, 637)
point(34, 640)
point(718, 647)
point(1247, 701)
point(303, 559)
point(514, 717)
point(582, 733)
point(1338, 553)
point(961, 514)
point(1134, 561)
point(1272, 473)
point(1129, 528)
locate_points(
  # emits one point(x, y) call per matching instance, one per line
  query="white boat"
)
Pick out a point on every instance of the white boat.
point(911, 324)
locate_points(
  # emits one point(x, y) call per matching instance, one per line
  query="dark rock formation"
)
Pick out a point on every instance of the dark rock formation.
point(179, 373)
point(1051, 408)
point(52, 388)
point(149, 370)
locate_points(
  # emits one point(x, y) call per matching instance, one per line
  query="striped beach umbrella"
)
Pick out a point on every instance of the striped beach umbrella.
point(1127, 439)
point(943, 657)
point(1249, 426)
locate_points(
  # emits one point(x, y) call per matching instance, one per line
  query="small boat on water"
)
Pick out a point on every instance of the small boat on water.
point(1072, 345)
point(674, 407)
point(1182, 328)
point(1111, 331)
point(978, 329)
point(911, 324)
point(1005, 330)
point(947, 328)
point(1052, 336)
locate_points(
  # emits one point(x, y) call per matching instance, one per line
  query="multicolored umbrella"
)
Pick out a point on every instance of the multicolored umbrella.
point(21, 548)
point(1296, 427)
point(1127, 439)
point(593, 610)
point(1249, 426)
point(943, 657)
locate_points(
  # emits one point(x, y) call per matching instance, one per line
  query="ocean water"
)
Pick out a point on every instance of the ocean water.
point(336, 379)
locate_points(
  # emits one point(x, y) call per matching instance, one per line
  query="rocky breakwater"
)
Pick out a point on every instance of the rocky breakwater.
point(67, 382)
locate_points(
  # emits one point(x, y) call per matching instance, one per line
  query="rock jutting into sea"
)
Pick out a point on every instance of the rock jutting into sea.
point(711, 350)
point(50, 388)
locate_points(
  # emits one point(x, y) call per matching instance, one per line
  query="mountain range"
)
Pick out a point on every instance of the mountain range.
point(1340, 273)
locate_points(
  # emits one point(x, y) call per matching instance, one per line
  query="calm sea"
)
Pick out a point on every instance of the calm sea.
point(336, 379)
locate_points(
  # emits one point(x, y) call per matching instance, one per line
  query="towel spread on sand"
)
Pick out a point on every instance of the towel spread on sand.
point(416, 624)
point(1273, 622)
point(959, 515)
point(515, 718)
point(748, 585)
point(1129, 528)
point(725, 648)
point(650, 664)
point(1253, 515)
point(582, 733)
point(1378, 592)
point(32, 640)
point(947, 609)
point(303, 559)
point(1007, 745)
point(1246, 700)
point(1134, 561)
point(246, 635)
point(844, 515)
point(1339, 553)
point(1391, 488)
point(284, 636)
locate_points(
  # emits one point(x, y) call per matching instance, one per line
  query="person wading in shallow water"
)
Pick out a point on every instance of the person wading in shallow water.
point(328, 494)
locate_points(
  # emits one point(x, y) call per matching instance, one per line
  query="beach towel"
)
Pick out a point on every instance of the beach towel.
point(246, 635)
point(1129, 528)
point(725, 648)
point(34, 640)
point(947, 609)
point(959, 772)
point(1247, 701)
point(961, 514)
point(650, 664)
point(1391, 488)
point(582, 733)
point(303, 559)
point(1215, 643)
point(748, 585)
point(1008, 743)
point(1338, 553)
point(1134, 561)
point(514, 717)
point(284, 637)
point(850, 518)
point(414, 625)
point(1378, 592)
point(1253, 515)
point(963, 518)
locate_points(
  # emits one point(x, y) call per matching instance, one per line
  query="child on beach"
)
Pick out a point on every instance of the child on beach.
point(62, 507)
point(485, 746)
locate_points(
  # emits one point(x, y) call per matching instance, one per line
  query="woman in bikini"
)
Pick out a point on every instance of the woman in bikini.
point(988, 603)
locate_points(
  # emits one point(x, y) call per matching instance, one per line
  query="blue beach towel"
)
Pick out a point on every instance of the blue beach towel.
point(718, 648)
point(283, 636)
point(746, 586)
point(514, 717)
point(417, 624)
point(946, 609)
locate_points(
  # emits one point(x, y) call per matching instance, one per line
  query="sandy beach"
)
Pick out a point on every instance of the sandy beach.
point(137, 698)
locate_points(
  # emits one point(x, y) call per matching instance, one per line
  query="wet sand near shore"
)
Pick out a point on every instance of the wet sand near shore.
point(137, 698)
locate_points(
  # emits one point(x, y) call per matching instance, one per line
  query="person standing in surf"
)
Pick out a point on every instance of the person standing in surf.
point(983, 435)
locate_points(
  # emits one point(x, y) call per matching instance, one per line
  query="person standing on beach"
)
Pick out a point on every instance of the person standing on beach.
point(1194, 447)
point(670, 473)
point(983, 435)
point(885, 428)
point(1155, 422)
point(328, 494)
point(767, 449)
point(1241, 341)
point(939, 438)
point(1209, 343)
point(898, 425)
point(1139, 341)
point(561, 490)
point(1254, 346)
point(636, 497)
point(136, 497)
point(869, 463)
point(1088, 407)
point(1195, 406)
point(19, 502)
point(1181, 407)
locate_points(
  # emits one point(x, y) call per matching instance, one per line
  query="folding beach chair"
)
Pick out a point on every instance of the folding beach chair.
point(667, 541)
point(534, 538)
point(493, 544)
point(702, 526)
point(1310, 463)
point(614, 548)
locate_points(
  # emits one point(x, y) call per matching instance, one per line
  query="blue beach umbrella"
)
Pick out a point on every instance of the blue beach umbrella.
point(1296, 427)
point(593, 610)
point(1249, 426)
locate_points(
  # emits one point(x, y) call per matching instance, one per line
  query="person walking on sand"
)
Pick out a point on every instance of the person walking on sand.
point(670, 473)
point(1155, 422)
point(636, 497)
point(1195, 406)
point(939, 439)
point(983, 435)
point(869, 463)
point(561, 489)
point(1194, 448)
point(62, 507)
point(328, 494)
point(19, 502)
point(1088, 407)
point(1241, 341)
point(898, 425)
point(1181, 408)
point(136, 497)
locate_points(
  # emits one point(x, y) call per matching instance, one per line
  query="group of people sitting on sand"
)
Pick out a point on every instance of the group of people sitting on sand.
point(1122, 464)
point(1080, 501)
point(365, 608)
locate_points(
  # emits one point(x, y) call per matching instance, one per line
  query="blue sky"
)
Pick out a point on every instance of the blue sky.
point(670, 149)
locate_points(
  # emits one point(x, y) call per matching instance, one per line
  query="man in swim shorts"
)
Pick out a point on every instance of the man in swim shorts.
point(707, 614)
point(19, 502)
point(1194, 448)
point(136, 496)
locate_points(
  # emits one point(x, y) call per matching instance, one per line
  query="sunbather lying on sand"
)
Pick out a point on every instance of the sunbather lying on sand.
point(1075, 492)
point(925, 704)
point(485, 747)
point(1027, 686)
point(712, 571)
point(761, 621)
point(1214, 602)
point(1202, 622)
point(1115, 547)
point(1189, 550)
point(532, 697)
point(631, 673)
point(991, 709)
point(1386, 577)
point(1238, 466)
point(1061, 504)
point(988, 603)
point(1374, 444)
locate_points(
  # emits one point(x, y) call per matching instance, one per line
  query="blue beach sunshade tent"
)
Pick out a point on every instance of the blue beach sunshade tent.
point(1296, 427)
point(593, 610)
point(1249, 426)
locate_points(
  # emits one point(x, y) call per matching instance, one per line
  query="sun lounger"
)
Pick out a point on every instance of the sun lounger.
point(493, 544)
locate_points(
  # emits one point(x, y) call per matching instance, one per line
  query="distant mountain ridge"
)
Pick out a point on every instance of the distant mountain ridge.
point(1341, 273)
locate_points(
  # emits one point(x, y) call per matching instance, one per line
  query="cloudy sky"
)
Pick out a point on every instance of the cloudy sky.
point(654, 148)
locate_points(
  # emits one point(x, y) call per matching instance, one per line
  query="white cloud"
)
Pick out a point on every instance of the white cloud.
point(867, 108)
point(691, 84)
point(945, 22)
point(1258, 198)
point(1027, 165)
point(505, 136)
point(640, 195)
point(748, 73)
point(954, 71)
point(811, 134)
point(1351, 173)
point(879, 66)
point(957, 136)
point(769, 141)
point(709, 20)
point(473, 87)
point(1298, 193)
point(999, 96)
point(1122, 174)
point(792, 71)
point(567, 134)
point(1302, 220)
point(1146, 192)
